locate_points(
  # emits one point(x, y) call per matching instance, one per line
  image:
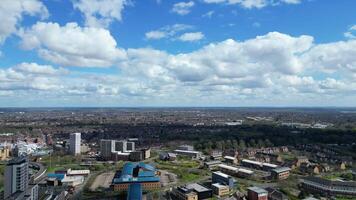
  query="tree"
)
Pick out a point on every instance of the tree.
point(242, 144)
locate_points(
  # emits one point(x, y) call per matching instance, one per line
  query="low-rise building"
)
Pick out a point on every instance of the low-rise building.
point(193, 154)
point(328, 187)
point(186, 147)
point(212, 164)
point(280, 173)
point(257, 193)
point(230, 159)
point(167, 156)
point(202, 192)
point(234, 171)
point(220, 189)
point(274, 194)
point(219, 177)
point(183, 193)
point(132, 173)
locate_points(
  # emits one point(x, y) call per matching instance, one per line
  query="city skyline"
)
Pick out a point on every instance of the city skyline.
point(128, 53)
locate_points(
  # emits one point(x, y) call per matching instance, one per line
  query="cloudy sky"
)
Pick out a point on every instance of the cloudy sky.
point(177, 53)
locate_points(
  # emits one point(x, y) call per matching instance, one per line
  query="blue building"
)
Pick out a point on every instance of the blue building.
point(132, 173)
point(135, 192)
point(219, 177)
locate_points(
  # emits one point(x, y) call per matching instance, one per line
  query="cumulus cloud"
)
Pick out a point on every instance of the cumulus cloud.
point(11, 13)
point(183, 8)
point(270, 68)
point(72, 45)
point(249, 4)
point(101, 13)
point(191, 37)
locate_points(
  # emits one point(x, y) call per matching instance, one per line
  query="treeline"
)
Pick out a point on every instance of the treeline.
point(255, 135)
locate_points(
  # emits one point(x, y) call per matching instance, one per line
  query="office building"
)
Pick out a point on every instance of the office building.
point(133, 173)
point(106, 148)
point(257, 193)
point(219, 177)
point(258, 165)
point(220, 189)
point(74, 142)
point(230, 160)
point(121, 145)
point(130, 146)
point(16, 176)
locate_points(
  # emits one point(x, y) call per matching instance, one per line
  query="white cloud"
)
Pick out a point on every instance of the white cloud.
point(350, 34)
point(272, 69)
point(12, 11)
point(71, 45)
point(191, 37)
point(101, 13)
point(167, 31)
point(208, 14)
point(183, 8)
point(249, 4)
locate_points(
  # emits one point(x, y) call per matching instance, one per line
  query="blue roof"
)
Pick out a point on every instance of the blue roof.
point(56, 176)
point(135, 192)
point(147, 173)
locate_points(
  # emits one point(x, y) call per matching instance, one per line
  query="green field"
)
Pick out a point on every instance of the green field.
point(185, 168)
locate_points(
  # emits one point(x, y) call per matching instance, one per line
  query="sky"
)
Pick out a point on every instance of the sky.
point(138, 53)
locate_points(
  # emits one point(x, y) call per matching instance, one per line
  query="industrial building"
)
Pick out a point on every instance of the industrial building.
point(132, 173)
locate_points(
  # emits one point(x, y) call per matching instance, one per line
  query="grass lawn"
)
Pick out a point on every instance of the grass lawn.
point(186, 169)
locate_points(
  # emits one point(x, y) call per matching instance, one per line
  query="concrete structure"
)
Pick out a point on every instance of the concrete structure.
point(220, 189)
point(327, 187)
point(133, 173)
point(16, 176)
point(256, 193)
point(216, 155)
point(219, 177)
point(74, 143)
point(280, 173)
point(193, 154)
point(202, 192)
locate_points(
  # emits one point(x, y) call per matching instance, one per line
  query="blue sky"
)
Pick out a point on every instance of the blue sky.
point(178, 53)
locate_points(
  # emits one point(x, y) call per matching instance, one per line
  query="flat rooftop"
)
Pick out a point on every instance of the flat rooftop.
point(197, 187)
